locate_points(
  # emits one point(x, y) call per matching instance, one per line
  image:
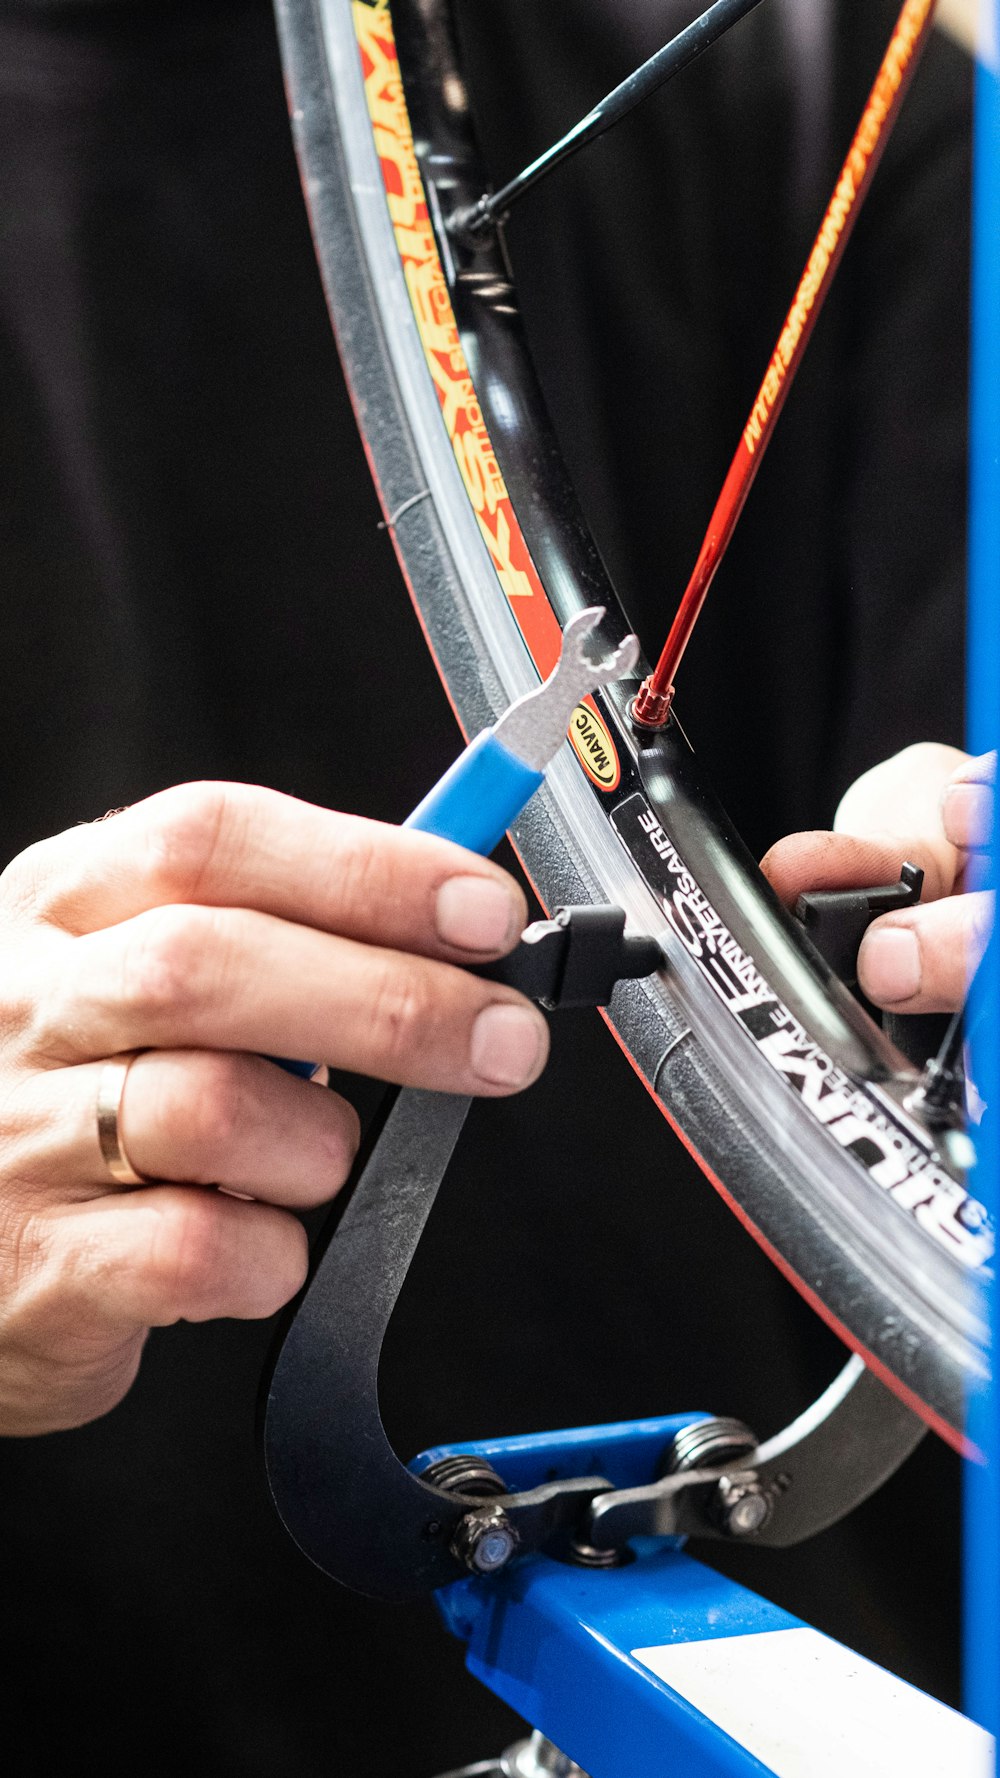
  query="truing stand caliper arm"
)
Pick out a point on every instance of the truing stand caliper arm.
point(340, 1489)
point(328, 1459)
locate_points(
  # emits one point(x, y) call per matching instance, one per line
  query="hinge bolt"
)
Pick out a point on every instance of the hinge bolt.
point(743, 1505)
point(485, 1540)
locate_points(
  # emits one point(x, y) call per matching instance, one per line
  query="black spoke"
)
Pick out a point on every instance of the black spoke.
point(940, 1098)
point(683, 49)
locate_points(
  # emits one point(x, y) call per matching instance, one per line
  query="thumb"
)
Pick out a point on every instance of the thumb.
point(923, 959)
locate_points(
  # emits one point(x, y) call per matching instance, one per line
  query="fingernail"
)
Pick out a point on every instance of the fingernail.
point(477, 914)
point(982, 770)
point(889, 965)
point(966, 812)
point(508, 1043)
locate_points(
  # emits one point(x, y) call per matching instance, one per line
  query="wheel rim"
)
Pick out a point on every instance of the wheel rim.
point(888, 1267)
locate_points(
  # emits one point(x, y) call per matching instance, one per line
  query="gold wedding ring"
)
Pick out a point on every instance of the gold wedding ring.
point(110, 1091)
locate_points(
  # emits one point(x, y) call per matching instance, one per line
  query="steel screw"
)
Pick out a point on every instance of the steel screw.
point(485, 1540)
point(536, 1758)
point(743, 1505)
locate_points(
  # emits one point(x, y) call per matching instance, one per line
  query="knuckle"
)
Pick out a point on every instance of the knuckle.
point(185, 825)
point(20, 1006)
point(90, 1379)
point(185, 1252)
point(365, 876)
point(404, 1011)
point(211, 1112)
point(163, 964)
point(30, 884)
point(69, 1356)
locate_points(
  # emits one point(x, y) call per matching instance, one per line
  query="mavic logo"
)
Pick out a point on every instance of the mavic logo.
point(594, 748)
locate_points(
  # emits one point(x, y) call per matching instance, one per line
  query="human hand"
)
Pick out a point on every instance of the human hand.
point(206, 928)
point(933, 806)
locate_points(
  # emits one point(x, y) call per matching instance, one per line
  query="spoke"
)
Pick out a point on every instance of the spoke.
point(941, 1095)
point(661, 67)
point(651, 709)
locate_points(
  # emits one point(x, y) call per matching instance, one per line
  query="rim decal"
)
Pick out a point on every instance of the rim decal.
point(447, 363)
point(863, 1125)
point(595, 749)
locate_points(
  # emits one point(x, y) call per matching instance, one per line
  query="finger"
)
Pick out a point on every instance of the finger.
point(976, 769)
point(52, 1382)
point(902, 794)
point(165, 1254)
point(228, 979)
point(91, 1282)
point(185, 1116)
point(231, 845)
point(923, 961)
point(806, 862)
point(967, 804)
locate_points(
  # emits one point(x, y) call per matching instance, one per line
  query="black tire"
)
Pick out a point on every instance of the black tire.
point(791, 1098)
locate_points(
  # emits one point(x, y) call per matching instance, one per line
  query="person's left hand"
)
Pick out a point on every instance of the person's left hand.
point(932, 806)
point(153, 962)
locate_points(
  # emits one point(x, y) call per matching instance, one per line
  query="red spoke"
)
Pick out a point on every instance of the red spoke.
point(651, 709)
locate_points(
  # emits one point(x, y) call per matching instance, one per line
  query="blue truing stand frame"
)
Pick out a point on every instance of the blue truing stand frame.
point(627, 1452)
point(555, 1641)
point(982, 1528)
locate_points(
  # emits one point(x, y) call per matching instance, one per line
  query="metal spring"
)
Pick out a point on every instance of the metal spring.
point(472, 1477)
point(709, 1444)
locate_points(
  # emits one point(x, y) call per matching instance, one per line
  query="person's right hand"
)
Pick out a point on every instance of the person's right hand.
point(209, 927)
point(930, 805)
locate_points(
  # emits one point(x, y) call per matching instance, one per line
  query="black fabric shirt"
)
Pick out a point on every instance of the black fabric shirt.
point(195, 584)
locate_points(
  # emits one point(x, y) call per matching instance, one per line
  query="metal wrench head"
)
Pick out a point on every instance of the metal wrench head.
point(584, 664)
point(535, 727)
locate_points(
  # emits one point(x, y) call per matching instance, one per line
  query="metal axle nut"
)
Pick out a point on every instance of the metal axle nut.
point(485, 1540)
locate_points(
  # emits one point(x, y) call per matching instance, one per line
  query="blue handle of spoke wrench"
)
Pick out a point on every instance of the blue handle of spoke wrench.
point(304, 1070)
point(481, 795)
point(478, 798)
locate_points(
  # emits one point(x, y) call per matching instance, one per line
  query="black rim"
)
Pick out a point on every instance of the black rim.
point(660, 776)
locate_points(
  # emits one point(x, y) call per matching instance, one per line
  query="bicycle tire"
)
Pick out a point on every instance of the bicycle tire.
point(788, 1095)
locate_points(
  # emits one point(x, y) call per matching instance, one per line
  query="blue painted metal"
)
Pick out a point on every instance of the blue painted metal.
point(983, 1481)
point(628, 1453)
point(304, 1070)
point(555, 1643)
point(479, 798)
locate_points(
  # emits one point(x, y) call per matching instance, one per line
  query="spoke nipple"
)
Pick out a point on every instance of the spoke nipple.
point(474, 222)
point(650, 709)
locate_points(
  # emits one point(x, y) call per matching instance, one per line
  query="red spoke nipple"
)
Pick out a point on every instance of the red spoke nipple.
point(651, 708)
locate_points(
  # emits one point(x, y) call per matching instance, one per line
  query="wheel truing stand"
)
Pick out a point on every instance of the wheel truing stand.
point(592, 1516)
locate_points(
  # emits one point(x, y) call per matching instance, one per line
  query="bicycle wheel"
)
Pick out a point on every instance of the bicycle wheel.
point(791, 1099)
